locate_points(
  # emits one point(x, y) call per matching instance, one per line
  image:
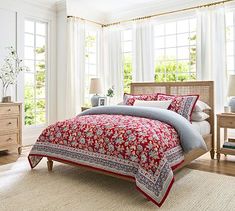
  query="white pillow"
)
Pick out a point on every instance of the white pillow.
point(199, 116)
point(201, 106)
point(156, 104)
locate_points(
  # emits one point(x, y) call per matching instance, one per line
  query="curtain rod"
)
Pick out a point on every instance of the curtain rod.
point(156, 15)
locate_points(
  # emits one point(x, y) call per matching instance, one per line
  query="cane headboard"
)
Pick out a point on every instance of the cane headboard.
point(205, 90)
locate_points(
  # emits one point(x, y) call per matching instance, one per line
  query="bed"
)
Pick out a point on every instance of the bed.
point(136, 144)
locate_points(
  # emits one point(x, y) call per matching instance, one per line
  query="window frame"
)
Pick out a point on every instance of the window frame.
point(175, 19)
point(47, 69)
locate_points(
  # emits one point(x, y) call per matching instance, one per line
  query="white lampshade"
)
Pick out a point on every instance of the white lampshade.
point(95, 86)
point(231, 86)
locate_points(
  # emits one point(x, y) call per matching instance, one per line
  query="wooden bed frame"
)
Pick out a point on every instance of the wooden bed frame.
point(205, 89)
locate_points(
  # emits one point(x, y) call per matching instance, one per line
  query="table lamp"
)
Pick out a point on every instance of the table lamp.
point(231, 92)
point(95, 88)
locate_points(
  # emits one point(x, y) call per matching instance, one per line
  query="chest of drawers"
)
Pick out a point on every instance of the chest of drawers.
point(10, 126)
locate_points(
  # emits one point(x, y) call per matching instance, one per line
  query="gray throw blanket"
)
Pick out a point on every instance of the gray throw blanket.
point(190, 138)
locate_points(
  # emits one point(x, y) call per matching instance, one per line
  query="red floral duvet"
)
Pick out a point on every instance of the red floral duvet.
point(139, 148)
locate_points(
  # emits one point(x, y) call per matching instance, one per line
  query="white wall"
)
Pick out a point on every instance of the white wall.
point(61, 60)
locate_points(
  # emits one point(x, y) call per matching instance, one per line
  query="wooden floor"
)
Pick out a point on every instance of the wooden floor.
point(204, 163)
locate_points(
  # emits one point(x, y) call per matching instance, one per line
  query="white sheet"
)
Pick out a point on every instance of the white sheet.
point(203, 127)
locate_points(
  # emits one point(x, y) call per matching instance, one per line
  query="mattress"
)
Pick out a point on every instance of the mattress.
point(203, 127)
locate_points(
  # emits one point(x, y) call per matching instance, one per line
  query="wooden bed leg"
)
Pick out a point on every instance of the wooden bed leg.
point(49, 164)
point(212, 152)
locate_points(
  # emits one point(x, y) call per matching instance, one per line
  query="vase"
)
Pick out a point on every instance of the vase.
point(5, 99)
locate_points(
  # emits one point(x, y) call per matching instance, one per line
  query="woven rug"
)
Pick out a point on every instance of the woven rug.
point(70, 188)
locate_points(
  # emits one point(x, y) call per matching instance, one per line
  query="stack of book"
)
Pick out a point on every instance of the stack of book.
point(229, 145)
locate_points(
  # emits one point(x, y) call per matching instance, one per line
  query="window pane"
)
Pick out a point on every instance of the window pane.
point(40, 42)
point(159, 42)
point(230, 33)
point(159, 54)
point(171, 53)
point(41, 118)
point(29, 93)
point(159, 30)
point(29, 40)
point(29, 64)
point(170, 28)
point(29, 53)
point(29, 26)
point(193, 24)
point(29, 79)
point(41, 28)
point(40, 66)
point(35, 79)
point(183, 39)
point(183, 53)
point(170, 41)
point(182, 26)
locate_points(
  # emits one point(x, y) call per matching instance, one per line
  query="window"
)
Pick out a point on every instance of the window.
point(35, 47)
point(230, 27)
point(91, 60)
point(175, 50)
point(127, 58)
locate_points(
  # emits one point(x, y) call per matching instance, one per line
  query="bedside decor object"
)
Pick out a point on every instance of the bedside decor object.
point(102, 101)
point(95, 88)
point(225, 121)
point(9, 71)
point(227, 109)
point(10, 126)
point(110, 94)
point(231, 92)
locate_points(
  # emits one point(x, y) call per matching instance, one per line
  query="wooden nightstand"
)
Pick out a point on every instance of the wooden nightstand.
point(10, 126)
point(224, 120)
point(83, 108)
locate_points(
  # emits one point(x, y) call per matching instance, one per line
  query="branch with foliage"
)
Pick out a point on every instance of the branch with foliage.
point(110, 92)
point(10, 69)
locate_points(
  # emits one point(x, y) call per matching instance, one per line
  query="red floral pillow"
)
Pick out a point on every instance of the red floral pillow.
point(181, 104)
point(129, 99)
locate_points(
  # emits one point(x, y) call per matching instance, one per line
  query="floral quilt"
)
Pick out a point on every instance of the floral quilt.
point(143, 149)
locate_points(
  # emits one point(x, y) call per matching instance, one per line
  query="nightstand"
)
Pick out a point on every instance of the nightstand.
point(224, 120)
point(83, 108)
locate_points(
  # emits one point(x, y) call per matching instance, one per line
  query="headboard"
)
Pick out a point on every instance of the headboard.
point(205, 90)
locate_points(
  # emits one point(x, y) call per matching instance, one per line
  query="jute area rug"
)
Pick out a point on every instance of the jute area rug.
point(70, 188)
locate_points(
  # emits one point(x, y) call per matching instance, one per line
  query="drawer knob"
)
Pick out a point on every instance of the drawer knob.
point(9, 123)
point(9, 109)
point(9, 139)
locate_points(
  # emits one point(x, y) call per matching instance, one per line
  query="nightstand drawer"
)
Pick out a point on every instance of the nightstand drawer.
point(8, 110)
point(9, 139)
point(227, 122)
point(9, 124)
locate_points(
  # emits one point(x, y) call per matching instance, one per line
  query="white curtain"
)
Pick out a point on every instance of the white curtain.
point(143, 61)
point(112, 74)
point(211, 51)
point(75, 67)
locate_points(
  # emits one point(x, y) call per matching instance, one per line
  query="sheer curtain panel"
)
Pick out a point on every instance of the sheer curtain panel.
point(75, 66)
point(113, 65)
point(211, 51)
point(143, 61)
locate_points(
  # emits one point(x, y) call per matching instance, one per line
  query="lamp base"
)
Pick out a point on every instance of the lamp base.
point(95, 100)
point(232, 104)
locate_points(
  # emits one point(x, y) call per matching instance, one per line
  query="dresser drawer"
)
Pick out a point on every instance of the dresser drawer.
point(9, 124)
point(227, 122)
point(6, 110)
point(9, 139)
